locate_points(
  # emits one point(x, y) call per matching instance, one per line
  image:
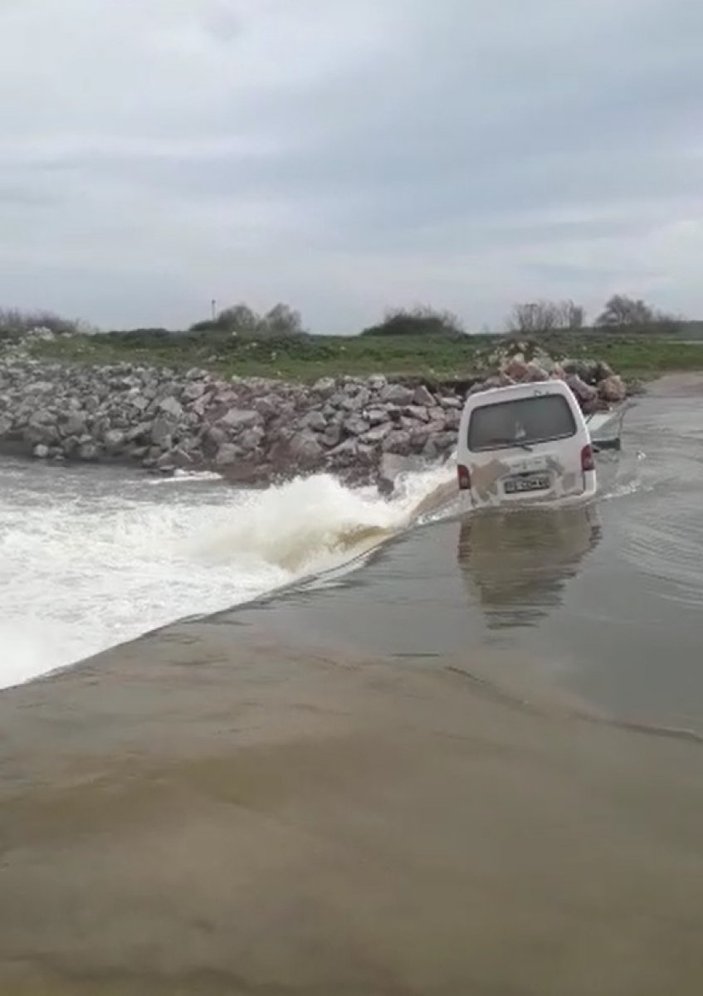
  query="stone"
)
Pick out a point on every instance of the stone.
point(170, 406)
point(377, 382)
point(375, 416)
point(612, 389)
point(377, 434)
point(200, 406)
point(139, 401)
point(194, 390)
point(392, 466)
point(423, 397)
point(418, 439)
point(535, 373)
point(444, 441)
point(41, 451)
point(42, 417)
point(451, 402)
point(237, 419)
point(161, 432)
point(398, 394)
point(586, 370)
point(356, 425)
point(89, 452)
point(227, 454)
point(453, 419)
point(332, 434)
point(48, 434)
point(138, 433)
point(397, 441)
point(305, 449)
point(516, 369)
point(430, 451)
point(195, 373)
point(114, 440)
point(325, 386)
point(316, 421)
point(584, 392)
point(251, 438)
point(345, 454)
point(267, 407)
point(356, 401)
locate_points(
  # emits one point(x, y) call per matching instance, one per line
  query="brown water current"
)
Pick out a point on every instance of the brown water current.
point(472, 766)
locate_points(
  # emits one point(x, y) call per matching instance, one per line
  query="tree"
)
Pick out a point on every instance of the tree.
point(242, 320)
point(622, 310)
point(421, 320)
point(281, 320)
point(534, 317)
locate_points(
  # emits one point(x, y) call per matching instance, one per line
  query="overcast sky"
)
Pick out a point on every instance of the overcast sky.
point(348, 155)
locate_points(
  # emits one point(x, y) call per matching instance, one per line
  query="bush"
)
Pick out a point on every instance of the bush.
point(421, 321)
point(15, 323)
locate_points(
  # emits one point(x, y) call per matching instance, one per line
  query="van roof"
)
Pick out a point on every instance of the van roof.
point(526, 390)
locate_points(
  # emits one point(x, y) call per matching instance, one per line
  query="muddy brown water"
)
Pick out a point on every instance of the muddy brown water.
point(474, 765)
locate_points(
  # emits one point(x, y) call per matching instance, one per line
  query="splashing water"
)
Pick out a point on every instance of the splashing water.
point(93, 558)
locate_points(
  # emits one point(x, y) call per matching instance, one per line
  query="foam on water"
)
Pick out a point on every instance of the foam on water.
point(90, 559)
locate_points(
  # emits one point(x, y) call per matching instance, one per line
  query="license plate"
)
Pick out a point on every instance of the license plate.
point(527, 482)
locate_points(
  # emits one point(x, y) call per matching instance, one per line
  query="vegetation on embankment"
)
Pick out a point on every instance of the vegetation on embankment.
point(308, 357)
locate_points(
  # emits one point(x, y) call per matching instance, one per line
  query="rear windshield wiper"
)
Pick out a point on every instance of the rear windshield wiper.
point(507, 443)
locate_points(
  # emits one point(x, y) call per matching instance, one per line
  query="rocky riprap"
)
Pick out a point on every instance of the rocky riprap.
point(254, 430)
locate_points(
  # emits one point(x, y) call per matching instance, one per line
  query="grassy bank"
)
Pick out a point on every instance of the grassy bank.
point(309, 357)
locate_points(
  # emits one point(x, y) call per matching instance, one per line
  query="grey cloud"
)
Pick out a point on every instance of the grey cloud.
point(395, 139)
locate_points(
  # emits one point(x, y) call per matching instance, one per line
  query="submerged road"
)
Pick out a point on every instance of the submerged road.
point(472, 767)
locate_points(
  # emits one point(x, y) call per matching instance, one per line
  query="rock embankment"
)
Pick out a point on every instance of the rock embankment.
point(252, 430)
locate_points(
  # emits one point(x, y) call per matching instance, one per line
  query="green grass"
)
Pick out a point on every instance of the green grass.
point(307, 358)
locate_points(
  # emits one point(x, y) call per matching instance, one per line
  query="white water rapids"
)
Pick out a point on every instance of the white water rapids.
point(93, 557)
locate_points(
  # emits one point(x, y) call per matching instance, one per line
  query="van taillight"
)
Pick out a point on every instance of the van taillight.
point(587, 459)
point(464, 477)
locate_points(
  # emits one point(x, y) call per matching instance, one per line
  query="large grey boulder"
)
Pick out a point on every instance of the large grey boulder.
point(305, 449)
point(356, 425)
point(377, 434)
point(398, 441)
point(398, 394)
point(227, 454)
point(114, 441)
point(161, 432)
point(612, 389)
point(423, 396)
point(316, 421)
point(237, 419)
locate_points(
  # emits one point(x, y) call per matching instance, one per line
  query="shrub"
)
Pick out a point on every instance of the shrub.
point(15, 323)
point(421, 321)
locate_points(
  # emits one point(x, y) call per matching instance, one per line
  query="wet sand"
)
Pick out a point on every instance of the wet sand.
point(283, 821)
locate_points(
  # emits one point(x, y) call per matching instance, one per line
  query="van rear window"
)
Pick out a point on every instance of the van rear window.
point(521, 422)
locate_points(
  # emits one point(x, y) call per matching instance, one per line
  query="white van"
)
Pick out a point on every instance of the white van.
point(525, 443)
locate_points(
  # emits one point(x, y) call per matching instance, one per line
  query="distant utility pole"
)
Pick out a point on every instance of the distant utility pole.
point(213, 308)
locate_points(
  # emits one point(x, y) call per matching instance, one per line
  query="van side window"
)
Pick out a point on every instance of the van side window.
point(521, 422)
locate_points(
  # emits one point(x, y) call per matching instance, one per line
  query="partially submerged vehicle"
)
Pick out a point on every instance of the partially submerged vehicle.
point(527, 443)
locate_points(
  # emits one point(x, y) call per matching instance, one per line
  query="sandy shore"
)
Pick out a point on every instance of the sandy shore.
point(209, 811)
